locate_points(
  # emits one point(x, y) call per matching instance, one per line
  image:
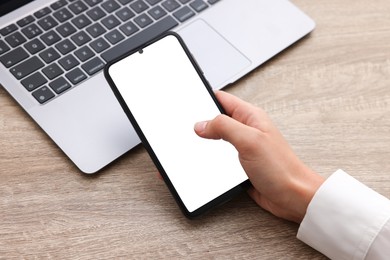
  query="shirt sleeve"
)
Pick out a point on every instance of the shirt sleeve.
point(347, 220)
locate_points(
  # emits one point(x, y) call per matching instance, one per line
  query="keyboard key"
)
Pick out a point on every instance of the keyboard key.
point(81, 21)
point(125, 2)
point(212, 1)
point(96, 30)
point(170, 5)
point(77, 7)
point(81, 38)
point(41, 13)
point(49, 55)
point(3, 47)
point(96, 13)
point(15, 39)
point(139, 6)
point(50, 38)
point(84, 53)
point(25, 21)
point(153, 2)
point(63, 15)
point(93, 66)
point(129, 28)
point(47, 23)
point(66, 29)
point(93, 2)
point(76, 76)
point(52, 71)
point(99, 45)
point(183, 14)
point(68, 62)
point(8, 29)
point(125, 14)
point(34, 81)
point(34, 46)
point(13, 57)
point(199, 5)
point(57, 5)
point(143, 20)
point(60, 85)
point(27, 67)
point(43, 94)
point(31, 31)
point(110, 6)
point(140, 38)
point(114, 36)
point(65, 46)
point(110, 22)
point(184, 1)
point(157, 12)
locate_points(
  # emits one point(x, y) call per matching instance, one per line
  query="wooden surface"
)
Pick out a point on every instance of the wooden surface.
point(329, 95)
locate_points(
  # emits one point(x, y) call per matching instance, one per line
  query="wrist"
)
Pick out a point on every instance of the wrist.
point(304, 189)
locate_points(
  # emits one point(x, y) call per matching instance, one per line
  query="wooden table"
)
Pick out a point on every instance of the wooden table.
point(329, 95)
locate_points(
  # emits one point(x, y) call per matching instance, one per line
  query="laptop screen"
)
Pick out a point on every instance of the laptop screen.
point(7, 6)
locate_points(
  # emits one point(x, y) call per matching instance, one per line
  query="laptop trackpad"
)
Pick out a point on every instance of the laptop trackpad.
point(219, 60)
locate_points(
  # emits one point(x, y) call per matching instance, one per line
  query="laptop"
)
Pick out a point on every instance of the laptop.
point(52, 54)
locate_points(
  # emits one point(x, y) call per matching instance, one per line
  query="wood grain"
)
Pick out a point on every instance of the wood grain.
point(328, 94)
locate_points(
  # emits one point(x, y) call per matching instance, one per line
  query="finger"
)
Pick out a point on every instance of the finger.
point(231, 103)
point(228, 129)
point(241, 110)
point(158, 174)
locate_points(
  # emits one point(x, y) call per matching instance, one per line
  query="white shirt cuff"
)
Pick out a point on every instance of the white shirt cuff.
point(344, 218)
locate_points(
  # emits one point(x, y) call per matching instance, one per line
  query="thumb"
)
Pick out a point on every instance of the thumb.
point(226, 128)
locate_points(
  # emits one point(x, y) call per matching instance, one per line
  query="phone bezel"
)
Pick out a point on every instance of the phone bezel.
point(228, 195)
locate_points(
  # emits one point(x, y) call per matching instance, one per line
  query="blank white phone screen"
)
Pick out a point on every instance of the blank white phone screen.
point(166, 96)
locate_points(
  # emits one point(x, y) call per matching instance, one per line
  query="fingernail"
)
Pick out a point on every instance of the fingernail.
point(200, 126)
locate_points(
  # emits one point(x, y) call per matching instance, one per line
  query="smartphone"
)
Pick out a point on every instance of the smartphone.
point(164, 93)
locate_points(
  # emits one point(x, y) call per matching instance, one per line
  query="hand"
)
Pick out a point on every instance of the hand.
point(282, 184)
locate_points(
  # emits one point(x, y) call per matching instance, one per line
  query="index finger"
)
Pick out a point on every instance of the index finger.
point(241, 110)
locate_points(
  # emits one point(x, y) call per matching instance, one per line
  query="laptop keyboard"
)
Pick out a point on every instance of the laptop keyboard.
point(65, 43)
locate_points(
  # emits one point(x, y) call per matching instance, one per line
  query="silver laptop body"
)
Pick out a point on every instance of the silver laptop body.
point(228, 38)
